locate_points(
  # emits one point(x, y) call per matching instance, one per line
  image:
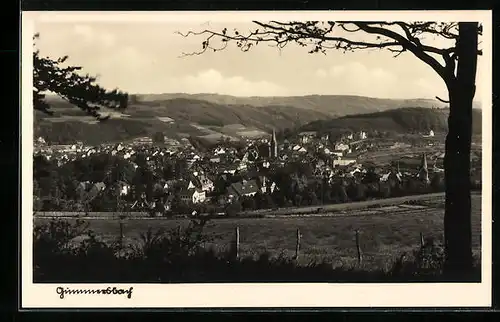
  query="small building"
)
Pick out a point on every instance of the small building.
point(306, 137)
point(343, 161)
point(337, 153)
point(143, 140)
point(215, 160)
point(193, 195)
point(241, 189)
point(341, 147)
point(266, 185)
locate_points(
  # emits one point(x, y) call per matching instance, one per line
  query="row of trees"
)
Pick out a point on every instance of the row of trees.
point(60, 187)
point(318, 194)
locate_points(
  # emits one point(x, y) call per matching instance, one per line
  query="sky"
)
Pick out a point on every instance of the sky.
point(146, 57)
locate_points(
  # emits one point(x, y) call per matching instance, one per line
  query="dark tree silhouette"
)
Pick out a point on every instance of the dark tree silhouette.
point(80, 90)
point(456, 65)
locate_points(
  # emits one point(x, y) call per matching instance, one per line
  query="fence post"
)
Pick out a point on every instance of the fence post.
point(121, 233)
point(422, 242)
point(237, 243)
point(297, 246)
point(358, 248)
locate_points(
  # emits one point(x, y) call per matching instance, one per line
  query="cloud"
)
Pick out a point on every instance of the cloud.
point(149, 79)
point(84, 31)
point(90, 36)
point(430, 88)
point(337, 70)
point(379, 73)
point(357, 79)
point(321, 73)
point(212, 81)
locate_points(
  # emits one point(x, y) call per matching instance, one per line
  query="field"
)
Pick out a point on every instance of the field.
point(384, 236)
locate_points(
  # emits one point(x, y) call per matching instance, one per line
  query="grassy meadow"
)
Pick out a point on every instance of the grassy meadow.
point(383, 237)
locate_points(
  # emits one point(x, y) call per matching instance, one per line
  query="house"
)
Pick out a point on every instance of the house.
point(98, 186)
point(191, 185)
point(198, 196)
point(219, 151)
point(194, 158)
point(266, 185)
point(193, 195)
point(243, 165)
point(142, 203)
point(124, 188)
point(430, 135)
point(215, 160)
point(169, 185)
point(300, 149)
point(160, 207)
point(306, 137)
point(230, 169)
point(245, 188)
point(206, 184)
point(41, 141)
point(338, 153)
point(341, 147)
point(343, 161)
point(143, 140)
point(395, 176)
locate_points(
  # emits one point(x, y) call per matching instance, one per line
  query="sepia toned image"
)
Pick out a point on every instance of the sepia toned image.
point(261, 150)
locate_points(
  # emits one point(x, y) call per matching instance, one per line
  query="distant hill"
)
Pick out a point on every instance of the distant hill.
point(209, 116)
point(178, 117)
point(402, 120)
point(338, 105)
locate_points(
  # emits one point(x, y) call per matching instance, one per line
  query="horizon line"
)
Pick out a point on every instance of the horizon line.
point(285, 96)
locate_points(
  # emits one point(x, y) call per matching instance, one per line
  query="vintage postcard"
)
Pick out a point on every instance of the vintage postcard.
point(256, 159)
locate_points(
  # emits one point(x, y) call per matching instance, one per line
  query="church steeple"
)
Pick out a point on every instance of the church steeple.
point(424, 172)
point(273, 146)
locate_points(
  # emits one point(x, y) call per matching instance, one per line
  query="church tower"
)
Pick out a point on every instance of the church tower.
point(424, 172)
point(273, 146)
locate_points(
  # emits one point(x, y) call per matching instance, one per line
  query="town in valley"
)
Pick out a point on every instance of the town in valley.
point(163, 177)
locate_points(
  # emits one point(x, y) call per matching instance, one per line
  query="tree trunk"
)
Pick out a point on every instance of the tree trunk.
point(457, 218)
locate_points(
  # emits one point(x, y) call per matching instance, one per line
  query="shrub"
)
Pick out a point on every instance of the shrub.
point(181, 255)
point(427, 260)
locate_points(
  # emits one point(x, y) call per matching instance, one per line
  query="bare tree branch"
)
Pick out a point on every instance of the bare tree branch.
point(320, 36)
point(418, 50)
point(442, 100)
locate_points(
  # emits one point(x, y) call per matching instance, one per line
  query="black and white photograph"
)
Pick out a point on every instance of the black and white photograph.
point(256, 159)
